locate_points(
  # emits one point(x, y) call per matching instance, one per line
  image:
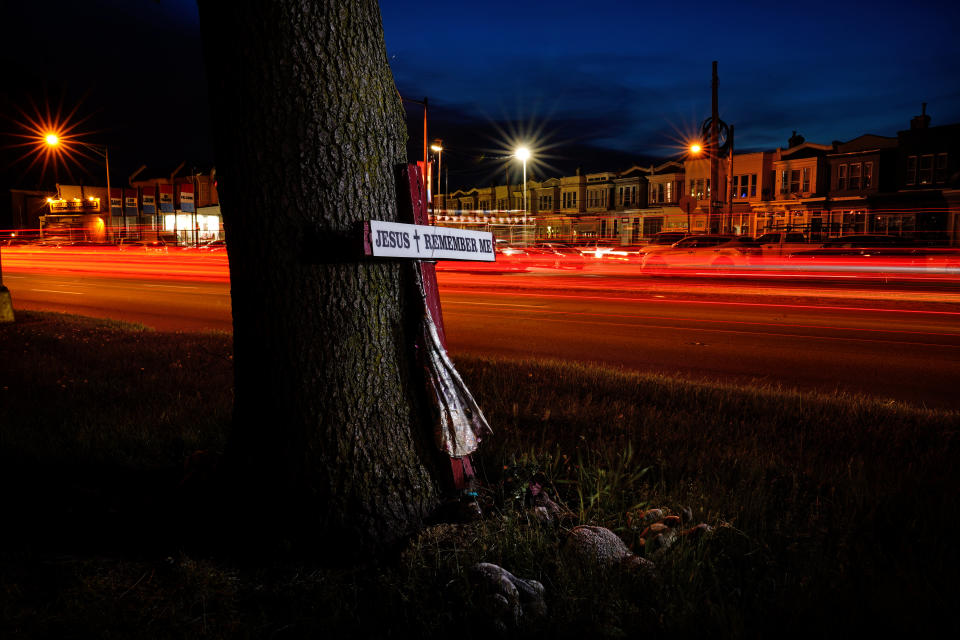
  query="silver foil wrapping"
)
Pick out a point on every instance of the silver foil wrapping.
point(461, 424)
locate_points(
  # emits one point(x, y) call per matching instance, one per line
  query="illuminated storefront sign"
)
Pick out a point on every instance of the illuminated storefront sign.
point(166, 198)
point(116, 202)
point(149, 201)
point(130, 202)
point(186, 198)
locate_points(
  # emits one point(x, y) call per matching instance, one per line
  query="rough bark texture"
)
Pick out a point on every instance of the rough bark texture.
point(309, 129)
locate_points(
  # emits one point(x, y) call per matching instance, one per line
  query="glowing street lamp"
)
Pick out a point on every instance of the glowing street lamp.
point(53, 140)
point(523, 154)
point(695, 148)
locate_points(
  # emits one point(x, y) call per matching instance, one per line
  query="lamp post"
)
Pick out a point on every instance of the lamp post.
point(437, 147)
point(103, 151)
point(695, 149)
point(523, 154)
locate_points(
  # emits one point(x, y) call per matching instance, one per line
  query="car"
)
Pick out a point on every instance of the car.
point(706, 250)
point(867, 240)
point(782, 243)
point(666, 238)
point(864, 254)
point(555, 255)
point(661, 242)
point(598, 248)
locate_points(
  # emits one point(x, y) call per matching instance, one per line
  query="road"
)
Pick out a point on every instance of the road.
point(897, 343)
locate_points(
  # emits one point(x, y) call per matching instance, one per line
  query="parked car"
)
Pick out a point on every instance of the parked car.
point(556, 255)
point(661, 242)
point(666, 238)
point(877, 254)
point(707, 250)
point(780, 243)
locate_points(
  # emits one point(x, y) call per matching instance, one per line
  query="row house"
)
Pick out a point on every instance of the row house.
point(800, 182)
point(903, 185)
point(859, 171)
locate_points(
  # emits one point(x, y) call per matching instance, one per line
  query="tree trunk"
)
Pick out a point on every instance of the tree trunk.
point(327, 427)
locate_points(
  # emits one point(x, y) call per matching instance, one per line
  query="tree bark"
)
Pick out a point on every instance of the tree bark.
point(327, 428)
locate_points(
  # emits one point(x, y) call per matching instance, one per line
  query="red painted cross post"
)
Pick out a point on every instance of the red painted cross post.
point(460, 423)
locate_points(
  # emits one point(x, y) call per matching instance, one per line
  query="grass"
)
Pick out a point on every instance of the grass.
point(832, 514)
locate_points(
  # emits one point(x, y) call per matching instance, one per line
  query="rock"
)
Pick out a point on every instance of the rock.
point(603, 547)
point(507, 599)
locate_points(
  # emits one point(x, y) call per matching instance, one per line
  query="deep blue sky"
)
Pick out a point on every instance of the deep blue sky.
point(596, 85)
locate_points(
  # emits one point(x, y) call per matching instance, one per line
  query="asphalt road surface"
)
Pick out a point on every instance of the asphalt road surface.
point(902, 344)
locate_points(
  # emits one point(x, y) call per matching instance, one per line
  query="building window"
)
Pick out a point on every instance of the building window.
point(795, 181)
point(745, 186)
point(668, 193)
point(785, 181)
point(867, 175)
point(656, 192)
point(501, 204)
point(941, 168)
point(925, 175)
point(855, 176)
point(485, 205)
point(699, 188)
point(841, 177)
point(911, 170)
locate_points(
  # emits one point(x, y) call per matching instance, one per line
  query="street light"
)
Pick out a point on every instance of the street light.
point(523, 154)
point(437, 147)
point(53, 140)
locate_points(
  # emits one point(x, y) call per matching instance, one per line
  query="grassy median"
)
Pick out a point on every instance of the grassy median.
point(830, 514)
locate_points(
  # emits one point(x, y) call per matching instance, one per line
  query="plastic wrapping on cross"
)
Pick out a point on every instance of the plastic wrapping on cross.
point(460, 425)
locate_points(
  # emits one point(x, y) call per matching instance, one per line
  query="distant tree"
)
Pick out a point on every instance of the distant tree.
point(327, 428)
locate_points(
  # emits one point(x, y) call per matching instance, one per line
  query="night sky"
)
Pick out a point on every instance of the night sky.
point(592, 85)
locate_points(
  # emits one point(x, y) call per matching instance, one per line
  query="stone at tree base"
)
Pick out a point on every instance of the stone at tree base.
point(600, 546)
point(507, 598)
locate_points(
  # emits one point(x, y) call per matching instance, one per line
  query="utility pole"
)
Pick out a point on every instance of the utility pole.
point(714, 146)
point(728, 227)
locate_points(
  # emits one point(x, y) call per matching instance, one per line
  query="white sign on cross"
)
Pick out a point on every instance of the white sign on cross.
point(423, 242)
